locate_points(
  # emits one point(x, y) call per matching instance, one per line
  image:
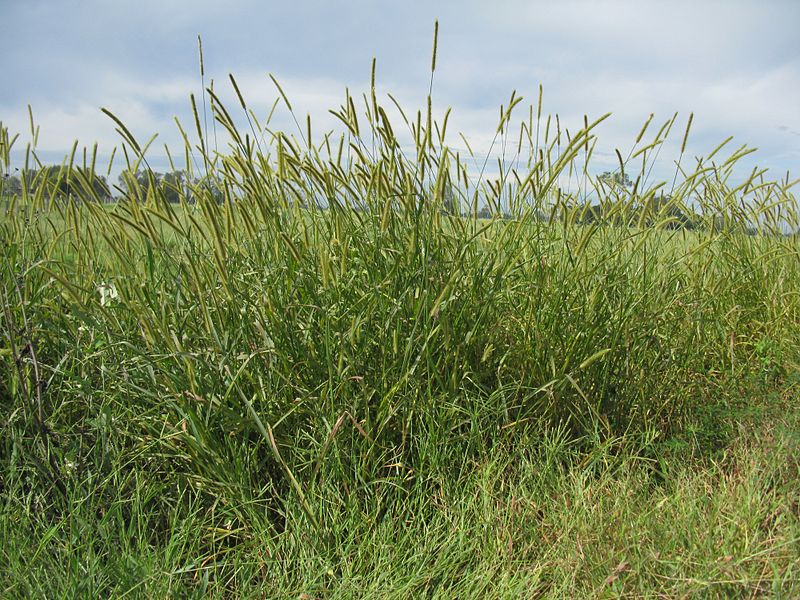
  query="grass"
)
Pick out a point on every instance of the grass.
point(547, 520)
point(321, 375)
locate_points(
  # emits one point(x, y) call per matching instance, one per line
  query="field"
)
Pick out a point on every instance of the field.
point(345, 368)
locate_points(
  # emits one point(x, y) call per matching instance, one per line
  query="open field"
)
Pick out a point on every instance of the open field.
point(319, 373)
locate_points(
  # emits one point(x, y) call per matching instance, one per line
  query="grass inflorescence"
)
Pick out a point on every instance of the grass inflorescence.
point(350, 366)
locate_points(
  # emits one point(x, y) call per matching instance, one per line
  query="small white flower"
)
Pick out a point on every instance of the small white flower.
point(108, 292)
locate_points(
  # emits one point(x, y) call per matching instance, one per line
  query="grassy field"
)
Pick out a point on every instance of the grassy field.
point(321, 375)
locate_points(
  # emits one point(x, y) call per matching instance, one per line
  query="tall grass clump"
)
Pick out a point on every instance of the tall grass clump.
point(335, 329)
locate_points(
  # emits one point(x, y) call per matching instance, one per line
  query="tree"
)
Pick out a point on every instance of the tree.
point(210, 189)
point(485, 213)
point(56, 182)
point(133, 183)
point(89, 186)
point(174, 186)
point(450, 202)
point(615, 180)
point(11, 185)
point(681, 219)
point(588, 214)
point(136, 184)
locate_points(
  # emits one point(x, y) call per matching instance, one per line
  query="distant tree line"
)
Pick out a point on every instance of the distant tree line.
point(173, 186)
point(57, 182)
point(659, 209)
point(662, 210)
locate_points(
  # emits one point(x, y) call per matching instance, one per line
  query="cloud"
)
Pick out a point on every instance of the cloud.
point(736, 65)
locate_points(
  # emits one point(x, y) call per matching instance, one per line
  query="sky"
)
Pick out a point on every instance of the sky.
point(734, 64)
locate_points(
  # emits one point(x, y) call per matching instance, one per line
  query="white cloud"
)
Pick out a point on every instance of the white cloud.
point(736, 65)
